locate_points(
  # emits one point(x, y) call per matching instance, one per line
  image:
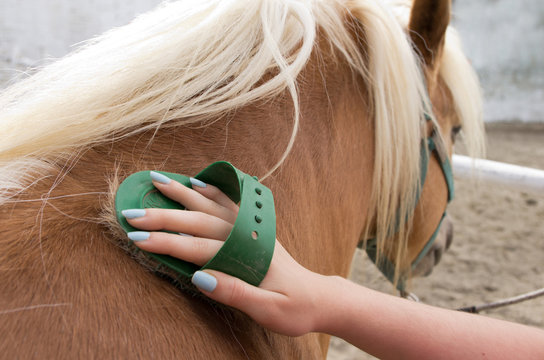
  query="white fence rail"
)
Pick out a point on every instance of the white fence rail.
point(519, 177)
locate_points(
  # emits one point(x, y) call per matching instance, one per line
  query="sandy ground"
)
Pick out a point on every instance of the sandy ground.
point(498, 246)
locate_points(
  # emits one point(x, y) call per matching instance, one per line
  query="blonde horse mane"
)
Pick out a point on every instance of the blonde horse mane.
point(194, 60)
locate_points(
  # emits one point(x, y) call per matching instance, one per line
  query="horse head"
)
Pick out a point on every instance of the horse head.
point(453, 105)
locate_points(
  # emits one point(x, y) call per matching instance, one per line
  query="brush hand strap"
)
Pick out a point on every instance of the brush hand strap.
point(248, 250)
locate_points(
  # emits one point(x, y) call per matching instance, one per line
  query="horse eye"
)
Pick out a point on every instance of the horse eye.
point(454, 132)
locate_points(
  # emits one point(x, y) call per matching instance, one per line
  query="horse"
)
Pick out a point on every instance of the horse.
point(322, 100)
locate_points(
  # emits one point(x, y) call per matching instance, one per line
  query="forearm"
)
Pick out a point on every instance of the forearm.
point(391, 328)
point(292, 300)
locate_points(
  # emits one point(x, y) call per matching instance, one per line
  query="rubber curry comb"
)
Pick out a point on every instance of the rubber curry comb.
point(248, 250)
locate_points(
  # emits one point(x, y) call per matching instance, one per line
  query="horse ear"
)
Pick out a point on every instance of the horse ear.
point(429, 20)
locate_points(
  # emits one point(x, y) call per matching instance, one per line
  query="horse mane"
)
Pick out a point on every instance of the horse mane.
point(191, 61)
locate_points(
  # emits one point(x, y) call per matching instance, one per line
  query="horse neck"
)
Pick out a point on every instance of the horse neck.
point(65, 258)
point(322, 188)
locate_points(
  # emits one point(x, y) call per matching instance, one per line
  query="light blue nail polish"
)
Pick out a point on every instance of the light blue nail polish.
point(204, 281)
point(196, 182)
point(160, 178)
point(189, 235)
point(138, 235)
point(133, 213)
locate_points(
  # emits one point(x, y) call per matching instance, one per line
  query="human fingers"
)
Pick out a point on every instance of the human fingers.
point(192, 249)
point(194, 200)
point(180, 221)
point(213, 193)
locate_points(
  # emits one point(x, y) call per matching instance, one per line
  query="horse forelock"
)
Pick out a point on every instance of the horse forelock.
point(460, 79)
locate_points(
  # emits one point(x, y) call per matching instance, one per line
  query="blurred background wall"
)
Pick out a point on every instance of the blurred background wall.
point(504, 39)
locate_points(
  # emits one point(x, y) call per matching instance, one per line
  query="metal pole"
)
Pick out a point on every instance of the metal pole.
point(500, 303)
point(519, 177)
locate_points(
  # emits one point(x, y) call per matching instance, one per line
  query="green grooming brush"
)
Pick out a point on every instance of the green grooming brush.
point(248, 250)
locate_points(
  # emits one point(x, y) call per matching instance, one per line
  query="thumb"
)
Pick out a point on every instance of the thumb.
point(231, 291)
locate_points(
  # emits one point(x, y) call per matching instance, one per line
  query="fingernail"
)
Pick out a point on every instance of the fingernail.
point(196, 182)
point(160, 178)
point(133, 213)
point(204, 281)
point(138, 235)
point(183, 234)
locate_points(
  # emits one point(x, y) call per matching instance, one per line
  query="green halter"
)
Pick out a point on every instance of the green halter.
point(431, 145)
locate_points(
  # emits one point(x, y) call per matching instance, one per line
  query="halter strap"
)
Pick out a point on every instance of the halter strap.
point(436, 146)
point(431, 145)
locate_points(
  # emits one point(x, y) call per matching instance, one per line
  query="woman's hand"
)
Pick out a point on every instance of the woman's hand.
point(284, 301)
point(293, 300)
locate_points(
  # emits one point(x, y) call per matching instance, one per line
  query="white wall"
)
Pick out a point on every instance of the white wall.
point(503, 38)
point(31, 30)
point(505, 41)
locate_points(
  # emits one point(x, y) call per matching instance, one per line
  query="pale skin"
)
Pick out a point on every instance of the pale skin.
point(382, 325)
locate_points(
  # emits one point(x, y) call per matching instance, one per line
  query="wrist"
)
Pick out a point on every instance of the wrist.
point(330, 294)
